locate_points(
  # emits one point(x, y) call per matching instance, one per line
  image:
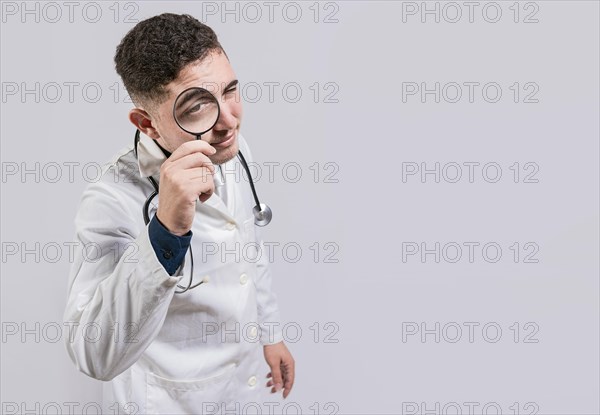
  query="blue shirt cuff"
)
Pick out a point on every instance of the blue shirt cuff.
point(170, 249)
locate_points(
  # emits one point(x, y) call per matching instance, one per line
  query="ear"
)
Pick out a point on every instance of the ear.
point(143, 122)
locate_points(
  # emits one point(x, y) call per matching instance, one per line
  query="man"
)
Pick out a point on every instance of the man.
point(167, 351)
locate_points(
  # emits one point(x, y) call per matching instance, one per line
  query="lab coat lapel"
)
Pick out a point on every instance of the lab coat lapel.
point(215, 202)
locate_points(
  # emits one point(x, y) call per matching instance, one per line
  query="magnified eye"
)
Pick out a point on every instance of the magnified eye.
point(197, 107)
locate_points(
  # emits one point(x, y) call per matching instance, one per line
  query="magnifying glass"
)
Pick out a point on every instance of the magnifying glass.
point(196, 111)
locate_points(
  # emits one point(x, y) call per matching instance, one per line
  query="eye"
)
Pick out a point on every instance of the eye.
point(195, 108)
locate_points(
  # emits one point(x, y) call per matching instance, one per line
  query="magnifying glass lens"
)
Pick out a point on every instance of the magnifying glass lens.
point(196, 110)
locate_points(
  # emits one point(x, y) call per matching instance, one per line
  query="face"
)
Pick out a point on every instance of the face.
point(215, 74)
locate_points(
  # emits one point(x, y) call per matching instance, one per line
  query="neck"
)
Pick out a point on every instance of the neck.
point(165, 152)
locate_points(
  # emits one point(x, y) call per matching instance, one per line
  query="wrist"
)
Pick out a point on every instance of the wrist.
point(170, 228)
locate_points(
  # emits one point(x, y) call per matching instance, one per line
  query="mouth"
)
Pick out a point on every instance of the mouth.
point(226, 142)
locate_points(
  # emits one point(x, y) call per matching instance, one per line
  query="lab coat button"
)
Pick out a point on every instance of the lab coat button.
point(252, 381)
point(243, 279)
point(253, 332)
point(167, 254)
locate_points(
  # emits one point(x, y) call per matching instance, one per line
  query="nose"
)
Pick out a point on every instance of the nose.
point(227, 118)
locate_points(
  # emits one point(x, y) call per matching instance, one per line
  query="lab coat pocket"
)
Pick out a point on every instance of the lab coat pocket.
point(200, 396)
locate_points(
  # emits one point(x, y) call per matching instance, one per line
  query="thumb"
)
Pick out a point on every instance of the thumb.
point(276, 376)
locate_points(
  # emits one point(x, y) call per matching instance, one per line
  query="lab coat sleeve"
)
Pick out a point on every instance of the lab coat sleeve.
point(268, 309)
point(118, 292)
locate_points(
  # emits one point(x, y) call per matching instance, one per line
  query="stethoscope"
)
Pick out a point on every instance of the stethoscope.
point(196, 111)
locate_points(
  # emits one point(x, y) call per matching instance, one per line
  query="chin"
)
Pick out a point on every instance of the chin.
point(225, 154)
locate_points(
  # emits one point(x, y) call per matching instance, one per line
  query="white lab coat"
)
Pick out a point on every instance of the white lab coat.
point(197, 352)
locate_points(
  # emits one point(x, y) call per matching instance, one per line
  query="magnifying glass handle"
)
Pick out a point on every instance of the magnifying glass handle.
point(199, 137)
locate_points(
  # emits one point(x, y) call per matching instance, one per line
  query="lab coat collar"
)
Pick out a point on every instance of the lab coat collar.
point(150, 156)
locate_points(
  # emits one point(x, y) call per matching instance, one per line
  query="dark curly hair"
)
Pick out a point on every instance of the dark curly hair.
point(154, 52)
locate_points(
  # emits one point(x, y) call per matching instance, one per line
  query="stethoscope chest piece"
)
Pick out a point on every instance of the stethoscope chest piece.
point(262, 214)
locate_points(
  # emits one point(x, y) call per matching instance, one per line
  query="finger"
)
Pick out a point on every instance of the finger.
point(203, 174)
point(200, 182)
point(270, 382)
point(192, 160)
point(289, 375)
point(192, 146)
point(276, 378)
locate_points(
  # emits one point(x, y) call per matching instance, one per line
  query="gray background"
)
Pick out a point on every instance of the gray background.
point(364, 302)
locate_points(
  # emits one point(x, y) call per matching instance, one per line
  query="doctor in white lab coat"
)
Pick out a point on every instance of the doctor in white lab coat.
point(199, 351)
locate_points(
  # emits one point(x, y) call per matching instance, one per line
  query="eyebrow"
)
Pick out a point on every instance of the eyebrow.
point(198, 93)
point(195, 94)
point(231, 84)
